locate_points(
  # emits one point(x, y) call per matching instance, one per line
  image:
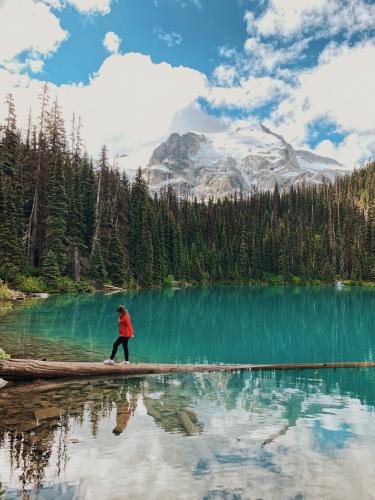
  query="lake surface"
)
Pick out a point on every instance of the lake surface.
point(230, 324)
point(273, 435)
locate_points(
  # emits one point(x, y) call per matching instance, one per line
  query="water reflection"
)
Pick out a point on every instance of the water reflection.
point(215, 324)
point(195, 435)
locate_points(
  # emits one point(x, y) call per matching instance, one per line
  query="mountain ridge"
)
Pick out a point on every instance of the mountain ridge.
point(239, 160)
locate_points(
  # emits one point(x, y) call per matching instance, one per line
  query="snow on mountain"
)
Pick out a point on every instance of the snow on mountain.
point(241, 160)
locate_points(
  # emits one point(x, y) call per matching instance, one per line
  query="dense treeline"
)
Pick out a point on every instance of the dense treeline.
point(69, 221)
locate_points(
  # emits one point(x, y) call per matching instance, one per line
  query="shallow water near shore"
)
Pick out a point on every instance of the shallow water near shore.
point(296, 435)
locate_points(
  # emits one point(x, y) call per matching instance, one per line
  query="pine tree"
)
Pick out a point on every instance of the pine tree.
point(56, 222)
point(144, 261)
point(88, 190)
point(116, 266)
point(10, 248)
point(97, 269)
point(51, 269)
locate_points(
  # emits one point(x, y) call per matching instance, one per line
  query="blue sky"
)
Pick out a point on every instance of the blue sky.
point(202, 29)
point(144, 67)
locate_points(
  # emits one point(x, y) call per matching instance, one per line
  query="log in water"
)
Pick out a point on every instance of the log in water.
point(30, 369)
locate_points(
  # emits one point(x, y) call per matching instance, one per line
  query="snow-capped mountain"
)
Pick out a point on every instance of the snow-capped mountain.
point(237, 160)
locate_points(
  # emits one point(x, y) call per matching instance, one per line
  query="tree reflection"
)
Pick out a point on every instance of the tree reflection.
point(36, 420)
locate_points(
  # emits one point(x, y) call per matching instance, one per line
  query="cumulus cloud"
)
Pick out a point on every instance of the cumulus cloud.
point(324, 17)
point(20, 30)
point(112, 42)
point(129, 104)
point(170, 39)
point(339, 88)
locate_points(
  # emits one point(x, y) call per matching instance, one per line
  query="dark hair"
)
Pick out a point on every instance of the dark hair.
point(121, 309)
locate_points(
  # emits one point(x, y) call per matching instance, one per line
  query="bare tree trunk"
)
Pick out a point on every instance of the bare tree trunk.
point(95, 236)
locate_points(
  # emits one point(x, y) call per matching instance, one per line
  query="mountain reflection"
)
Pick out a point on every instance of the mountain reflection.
point(37, 420)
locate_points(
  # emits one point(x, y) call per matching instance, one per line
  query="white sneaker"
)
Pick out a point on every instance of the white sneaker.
point(109, 362)
point(126, 362)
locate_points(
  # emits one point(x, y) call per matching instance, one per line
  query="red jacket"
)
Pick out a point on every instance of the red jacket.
point(125, 326)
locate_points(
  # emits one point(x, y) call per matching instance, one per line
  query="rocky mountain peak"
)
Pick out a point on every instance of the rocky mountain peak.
point(241, 159)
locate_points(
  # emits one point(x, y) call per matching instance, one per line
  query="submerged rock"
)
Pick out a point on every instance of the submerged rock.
point(47, 413)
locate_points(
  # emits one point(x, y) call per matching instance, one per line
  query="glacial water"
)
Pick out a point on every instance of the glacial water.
point(271, 435)
point(215, 324)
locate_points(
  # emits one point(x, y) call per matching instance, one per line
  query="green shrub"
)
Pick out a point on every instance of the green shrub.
point(296, 280)
point(65, 284)
point(5, 293)
point(29, 284)
point(132, 283)
point(274, 279)
point(316, 282)
point(3, 355)
point(169, 281)
point(370, 284)
point(84, 286)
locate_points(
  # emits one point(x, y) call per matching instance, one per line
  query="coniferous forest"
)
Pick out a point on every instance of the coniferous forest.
point(69, 222)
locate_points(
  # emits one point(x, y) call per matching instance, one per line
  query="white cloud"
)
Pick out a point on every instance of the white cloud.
point(265, 57)
point(28, 25)
point(252, 92)
point(92, 6)
point(170, 39)
point(83, 6)
point(357, 147)
point(340, 88)
point(182, 3)
point(225, 75)
point(325, 17)
point(35, 65)
point(129, 104)
point(112, 42)
point(193, 118)
point(227, 52)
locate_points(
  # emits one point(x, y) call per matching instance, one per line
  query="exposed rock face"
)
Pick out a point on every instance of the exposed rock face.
point(239, 160)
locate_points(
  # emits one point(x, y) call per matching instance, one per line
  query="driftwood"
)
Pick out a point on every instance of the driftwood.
point(31, 369)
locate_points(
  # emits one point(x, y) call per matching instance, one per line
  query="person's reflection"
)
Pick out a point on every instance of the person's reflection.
point(125, 410)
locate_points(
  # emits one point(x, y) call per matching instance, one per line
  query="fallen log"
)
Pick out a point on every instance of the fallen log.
point(31, 369)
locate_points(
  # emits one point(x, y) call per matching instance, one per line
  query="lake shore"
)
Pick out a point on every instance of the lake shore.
point(11, 294)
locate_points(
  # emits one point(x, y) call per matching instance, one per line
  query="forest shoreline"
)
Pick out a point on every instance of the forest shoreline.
point(14, 295)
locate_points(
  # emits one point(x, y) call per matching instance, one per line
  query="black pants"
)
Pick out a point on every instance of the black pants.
point(124, 341)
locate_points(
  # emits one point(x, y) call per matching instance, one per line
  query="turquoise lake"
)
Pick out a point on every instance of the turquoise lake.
point(214, 324)
point(273, 435)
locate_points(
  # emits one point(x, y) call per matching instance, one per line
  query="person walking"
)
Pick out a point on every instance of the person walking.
point(125, 333)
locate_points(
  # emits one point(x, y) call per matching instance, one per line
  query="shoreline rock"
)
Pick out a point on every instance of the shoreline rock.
point(39, 295)
point(3, 383)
